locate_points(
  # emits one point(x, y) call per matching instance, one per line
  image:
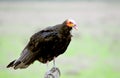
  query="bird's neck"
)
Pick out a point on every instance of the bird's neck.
point(65, 30)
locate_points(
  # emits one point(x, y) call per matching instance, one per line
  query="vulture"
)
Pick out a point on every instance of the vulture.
point(45, 45)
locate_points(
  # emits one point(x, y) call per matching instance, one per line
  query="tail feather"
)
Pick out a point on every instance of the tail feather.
point(11, 64)
point(17, 64)
point(24, 60)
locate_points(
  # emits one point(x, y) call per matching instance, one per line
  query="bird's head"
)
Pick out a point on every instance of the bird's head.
point(71, 23)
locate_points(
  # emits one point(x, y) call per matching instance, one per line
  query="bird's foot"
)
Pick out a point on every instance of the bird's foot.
point(53, 73)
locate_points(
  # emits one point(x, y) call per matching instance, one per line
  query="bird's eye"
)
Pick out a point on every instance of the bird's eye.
point(70, 22)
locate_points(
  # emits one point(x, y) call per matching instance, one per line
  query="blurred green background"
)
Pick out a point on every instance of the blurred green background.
point(94, 51)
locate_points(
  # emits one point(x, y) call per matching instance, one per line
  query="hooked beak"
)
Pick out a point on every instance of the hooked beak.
point(75, 27)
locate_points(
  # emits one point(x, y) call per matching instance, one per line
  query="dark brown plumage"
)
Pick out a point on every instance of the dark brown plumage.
point(45, 45)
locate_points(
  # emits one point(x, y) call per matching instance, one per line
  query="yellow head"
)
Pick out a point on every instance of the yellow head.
point(71, 23)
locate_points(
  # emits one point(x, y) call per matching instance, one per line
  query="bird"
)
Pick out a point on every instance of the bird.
point(45, 45)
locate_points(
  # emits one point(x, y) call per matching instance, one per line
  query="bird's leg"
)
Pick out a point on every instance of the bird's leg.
point(47, 65)
point(54, 62)
point(48, 71)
